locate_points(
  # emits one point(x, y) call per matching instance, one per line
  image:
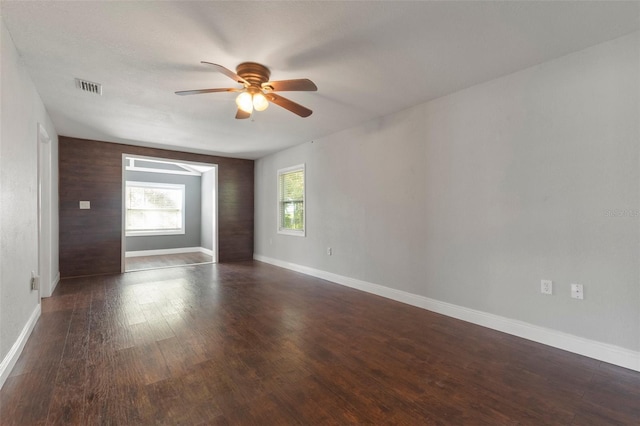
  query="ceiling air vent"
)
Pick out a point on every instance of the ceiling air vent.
point(89, 86)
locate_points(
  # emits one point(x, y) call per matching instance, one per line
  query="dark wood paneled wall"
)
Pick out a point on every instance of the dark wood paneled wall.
point(90, 240)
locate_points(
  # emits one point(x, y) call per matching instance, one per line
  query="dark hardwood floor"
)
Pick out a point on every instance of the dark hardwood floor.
point(141, 263)
point(252, 344)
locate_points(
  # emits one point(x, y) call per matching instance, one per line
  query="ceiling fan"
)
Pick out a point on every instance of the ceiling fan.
point(258, 91)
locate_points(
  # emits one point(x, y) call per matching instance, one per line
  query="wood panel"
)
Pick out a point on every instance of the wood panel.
point(248, 343)
point(90, 240)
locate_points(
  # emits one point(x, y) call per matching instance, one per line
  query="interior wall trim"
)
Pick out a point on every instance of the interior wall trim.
point(10, 360)
point(593, 349)
point(55, 282)
point(180, 250)
point(206, 251)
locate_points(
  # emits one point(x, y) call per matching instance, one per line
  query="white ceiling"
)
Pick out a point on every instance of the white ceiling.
point(368, 59)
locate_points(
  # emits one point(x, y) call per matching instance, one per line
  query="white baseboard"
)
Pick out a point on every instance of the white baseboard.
point(593, 349)
point(52, 287)
point(10, 360)
point(206, 251)
point(180, 250)
point(55, 282)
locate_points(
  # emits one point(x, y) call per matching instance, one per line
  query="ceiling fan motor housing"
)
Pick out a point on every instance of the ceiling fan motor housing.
point(254, 73)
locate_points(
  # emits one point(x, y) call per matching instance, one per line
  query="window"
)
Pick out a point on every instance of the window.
point(291, 201)
point(154, 208)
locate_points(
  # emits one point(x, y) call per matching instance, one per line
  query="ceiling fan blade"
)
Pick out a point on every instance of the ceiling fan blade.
point(197, 92)
point(299, 85)
point(289, 105)
point(226, 71)
point(240, 115)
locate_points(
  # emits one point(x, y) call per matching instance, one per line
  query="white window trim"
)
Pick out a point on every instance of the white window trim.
point(179, 186)
point(283, 231)
point(132, 167)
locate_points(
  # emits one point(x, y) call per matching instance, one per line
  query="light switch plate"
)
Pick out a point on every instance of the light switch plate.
point(85, 205)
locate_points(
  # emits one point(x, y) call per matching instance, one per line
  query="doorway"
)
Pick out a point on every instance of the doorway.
point(169, 213)
point(44, 213)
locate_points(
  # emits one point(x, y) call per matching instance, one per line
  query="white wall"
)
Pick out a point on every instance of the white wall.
point(472, 198)
point(21, 111)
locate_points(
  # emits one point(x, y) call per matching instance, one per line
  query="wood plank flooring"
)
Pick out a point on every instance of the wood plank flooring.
point(252, 344)
point(141, 263)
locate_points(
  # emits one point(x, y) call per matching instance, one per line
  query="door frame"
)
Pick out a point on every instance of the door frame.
point(44, 213)
point(124, 211)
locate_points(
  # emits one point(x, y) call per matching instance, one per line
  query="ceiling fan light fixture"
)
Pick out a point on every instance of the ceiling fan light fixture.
point(260, 102)
point(245, 102)
point(257, 92)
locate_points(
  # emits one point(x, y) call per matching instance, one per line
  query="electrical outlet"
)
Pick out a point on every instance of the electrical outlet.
point(329, 251)
point(35, 281)
point(546, 286)
point(577, 291)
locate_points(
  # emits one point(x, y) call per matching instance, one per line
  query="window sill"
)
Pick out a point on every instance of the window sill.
point(292, 232)
point(152, 233)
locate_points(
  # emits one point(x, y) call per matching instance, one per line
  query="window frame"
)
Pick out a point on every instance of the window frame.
point(279, 228)
point(144, 233)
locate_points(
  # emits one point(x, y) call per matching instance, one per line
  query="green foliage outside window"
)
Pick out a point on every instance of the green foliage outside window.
point(292, 200)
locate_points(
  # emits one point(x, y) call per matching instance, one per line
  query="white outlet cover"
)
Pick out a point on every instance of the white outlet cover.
point(546, 286)
point(577, 291)
point(85, 205)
